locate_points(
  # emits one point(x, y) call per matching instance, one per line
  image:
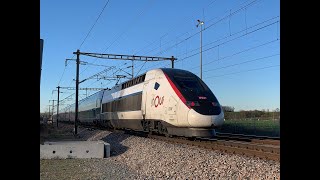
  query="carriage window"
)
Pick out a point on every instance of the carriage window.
point(129, 103)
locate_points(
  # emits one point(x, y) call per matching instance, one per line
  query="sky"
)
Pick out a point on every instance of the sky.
point(240, 45)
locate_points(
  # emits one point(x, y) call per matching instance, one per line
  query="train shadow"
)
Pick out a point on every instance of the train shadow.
point(115, 140)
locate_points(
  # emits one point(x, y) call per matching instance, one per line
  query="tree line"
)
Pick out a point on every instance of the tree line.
point(229, 114)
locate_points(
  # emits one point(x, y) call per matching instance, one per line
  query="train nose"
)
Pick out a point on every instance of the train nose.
point(219, 119)
point(198, 120)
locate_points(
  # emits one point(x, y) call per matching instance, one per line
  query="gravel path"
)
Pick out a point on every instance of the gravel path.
point(72, 169)
point(135, 157)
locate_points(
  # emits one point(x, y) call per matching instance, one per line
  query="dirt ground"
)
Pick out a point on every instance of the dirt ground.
point(64, 132)
point(53, 169)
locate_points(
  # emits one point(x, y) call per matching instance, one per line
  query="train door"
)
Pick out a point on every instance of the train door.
point(156, 97)
point(144, 99)
point(171, 111)
point(97, 109)
point(147, 96)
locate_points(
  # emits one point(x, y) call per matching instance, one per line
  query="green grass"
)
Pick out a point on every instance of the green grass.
point(251, 127)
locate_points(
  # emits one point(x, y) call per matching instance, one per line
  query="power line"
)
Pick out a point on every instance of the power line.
point(239, 52)
point(94, 24)
point(145, 63)
point(257, 59)
point(228, 36)
point(86, 63)
point(231, 40)
point(110, 80)
point(269, 42)
point(85, 38)
point(99, 73)
point(91, 64)
point(67, 97)
point(186, 38)
point(62, 74)
point(121, 34)
point(244, 71)
point(204, 29)
point(231, 14)
point(174, 26)
point(237, 11)
point(131, 25)
point(141, 68)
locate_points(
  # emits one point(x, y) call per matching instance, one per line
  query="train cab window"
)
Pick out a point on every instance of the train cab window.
point(191, 86)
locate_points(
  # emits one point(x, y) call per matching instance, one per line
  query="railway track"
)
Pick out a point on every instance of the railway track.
point(261, 148)
point(256, 146)
point(249, 138)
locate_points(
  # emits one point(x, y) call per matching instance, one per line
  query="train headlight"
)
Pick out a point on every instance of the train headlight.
point(192, 103)
point(215, 104)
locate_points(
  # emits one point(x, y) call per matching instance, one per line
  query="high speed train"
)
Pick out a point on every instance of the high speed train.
point(164, 101)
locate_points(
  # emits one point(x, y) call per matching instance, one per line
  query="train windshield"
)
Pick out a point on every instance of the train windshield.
point(191, 87)
point(195, 91)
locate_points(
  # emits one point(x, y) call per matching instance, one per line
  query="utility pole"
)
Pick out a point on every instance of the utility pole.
point(41, 50)
point(200, 23)
point(52, 105)
point(77, 94)
point(58, 106)
point(172, 61)
point(52, 108)
point(49, 111)
point(132, 70)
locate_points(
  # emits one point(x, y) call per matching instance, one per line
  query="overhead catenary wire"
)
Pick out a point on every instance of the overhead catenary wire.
point(195, 28)
point(72, 81)
point(218, 45)
point(237, 11)
point(141, 68)
point(239, 52)
point(231, 14)
point(244, 62)
point(143, 10)
point(191, 35)
point(94, 24)
point(244, 71)
point(85, 38)
point(220, 20)
point(228, 36)
point(174, 26)
point(144, 63)
point(231, 40)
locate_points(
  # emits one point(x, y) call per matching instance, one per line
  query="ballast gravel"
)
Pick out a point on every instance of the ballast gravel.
point(134, 157)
